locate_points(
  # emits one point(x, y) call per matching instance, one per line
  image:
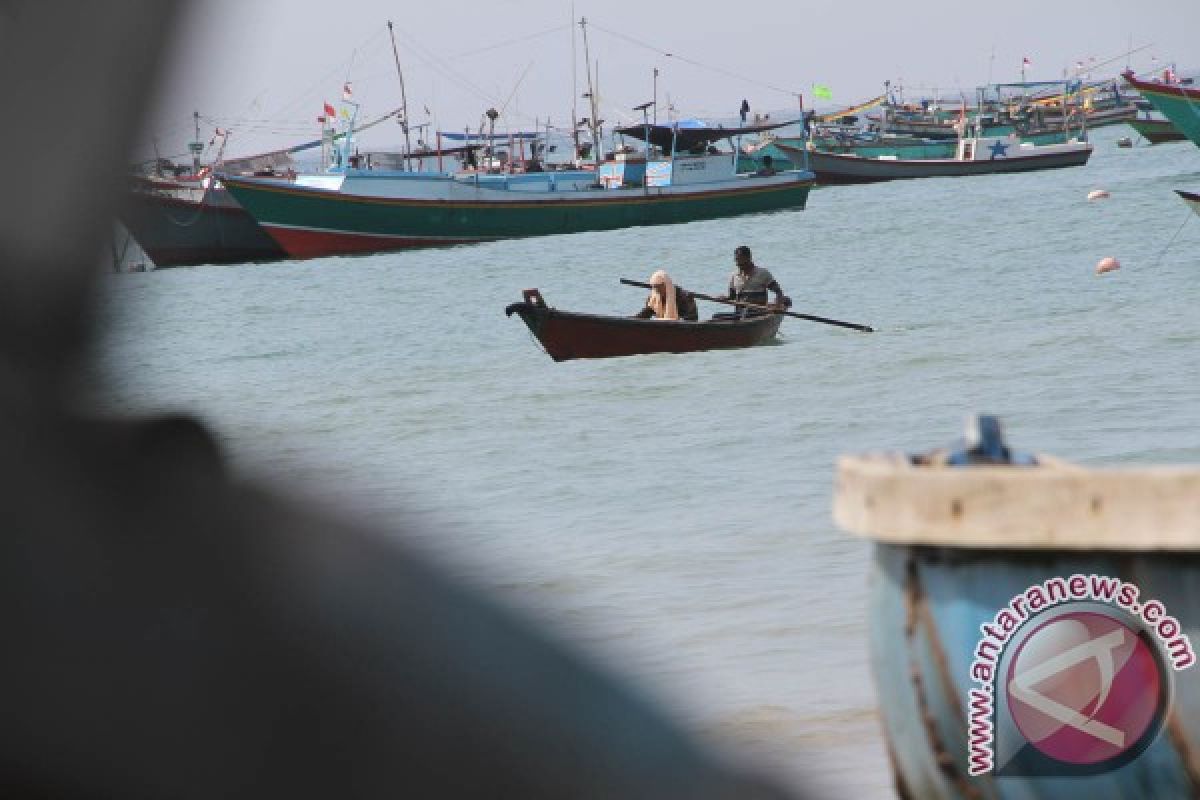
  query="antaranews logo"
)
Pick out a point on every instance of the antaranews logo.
point(1072, 678)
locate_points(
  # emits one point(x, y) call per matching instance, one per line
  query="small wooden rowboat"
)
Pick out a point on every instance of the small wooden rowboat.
point(566, 335)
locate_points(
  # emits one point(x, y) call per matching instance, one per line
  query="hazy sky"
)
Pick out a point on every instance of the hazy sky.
point(265, 67)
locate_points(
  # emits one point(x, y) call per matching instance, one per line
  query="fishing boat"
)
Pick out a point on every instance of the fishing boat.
point(184, 216)
point(982, 148)
point(567, 335)
point(1176, 101)
point(1004, 667)
point(1037, 111)
point(974, 156)
point(188, 221)
point(381, 210)
point(1156, 130)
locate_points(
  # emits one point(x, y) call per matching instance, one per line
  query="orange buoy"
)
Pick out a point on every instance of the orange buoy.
point(1107, 264)
point(1097, 194)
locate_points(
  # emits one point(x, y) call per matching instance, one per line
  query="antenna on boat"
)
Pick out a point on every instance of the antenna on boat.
point(196, 146)
point(403, 99)
point(645, 109)
point(491, 114)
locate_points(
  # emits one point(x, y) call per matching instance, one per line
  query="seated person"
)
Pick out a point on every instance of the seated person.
point(668, 301)
point(768, 166)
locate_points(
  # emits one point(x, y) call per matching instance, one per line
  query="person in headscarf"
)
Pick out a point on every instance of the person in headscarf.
point(668, 301)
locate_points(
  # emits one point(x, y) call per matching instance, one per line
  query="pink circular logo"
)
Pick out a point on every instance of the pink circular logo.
point(1084, 688)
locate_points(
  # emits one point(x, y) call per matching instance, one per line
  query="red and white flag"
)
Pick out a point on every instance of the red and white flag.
point(330, 111)
point(347, 93)
point(1025, 62)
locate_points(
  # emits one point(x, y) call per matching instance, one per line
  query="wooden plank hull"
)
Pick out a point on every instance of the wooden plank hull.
point(308, 222)
point(567, 335)
point(964, 557)
point(177, 231)
point(836, 168)
point(926, 608)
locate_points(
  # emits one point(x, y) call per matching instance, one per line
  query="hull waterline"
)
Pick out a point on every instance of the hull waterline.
point(308, 222)
point(834, 168)
point(177, 232)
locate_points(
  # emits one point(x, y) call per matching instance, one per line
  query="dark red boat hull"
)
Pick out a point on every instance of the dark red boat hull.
point(567, 335)
point(177, 232)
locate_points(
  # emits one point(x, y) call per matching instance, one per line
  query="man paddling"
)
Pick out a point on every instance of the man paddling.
point(750, 284)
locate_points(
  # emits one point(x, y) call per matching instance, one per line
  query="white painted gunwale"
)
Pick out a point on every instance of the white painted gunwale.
point(1053, 506)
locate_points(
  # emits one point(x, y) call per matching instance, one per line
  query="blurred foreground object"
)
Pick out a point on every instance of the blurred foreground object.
point(171, 633)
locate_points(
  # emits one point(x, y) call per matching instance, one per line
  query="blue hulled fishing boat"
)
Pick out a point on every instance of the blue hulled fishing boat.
point(1031, 621)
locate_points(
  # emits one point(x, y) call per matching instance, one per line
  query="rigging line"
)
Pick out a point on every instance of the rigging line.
point(439, 65)
point(513, 93)
point(444, 68)
point(1172, 239)
point(518, 40)
point(709, 67)
point(1089, 67)
point(310, 91)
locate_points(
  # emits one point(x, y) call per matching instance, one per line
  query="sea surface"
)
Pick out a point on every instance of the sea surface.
point(670, 514)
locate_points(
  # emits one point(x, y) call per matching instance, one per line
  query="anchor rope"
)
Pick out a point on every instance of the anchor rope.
point(1172, 239)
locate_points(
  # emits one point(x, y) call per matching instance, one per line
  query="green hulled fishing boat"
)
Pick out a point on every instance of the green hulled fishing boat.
point(1178, 103)
point(1156, 131)
point(379, 210)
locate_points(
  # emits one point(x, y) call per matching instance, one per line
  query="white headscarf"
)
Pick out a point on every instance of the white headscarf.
point(663, 308)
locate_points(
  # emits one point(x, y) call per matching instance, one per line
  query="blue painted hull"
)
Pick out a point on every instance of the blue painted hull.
point(926, 608)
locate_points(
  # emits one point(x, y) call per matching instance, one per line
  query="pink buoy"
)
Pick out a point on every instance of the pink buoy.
point(1107, 264)
point(1097, 194)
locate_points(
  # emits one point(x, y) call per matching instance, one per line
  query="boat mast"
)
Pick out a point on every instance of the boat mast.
point(196, 146)
point(587, 63)
point(656, 96)
point(403, 100)
point(574, 91)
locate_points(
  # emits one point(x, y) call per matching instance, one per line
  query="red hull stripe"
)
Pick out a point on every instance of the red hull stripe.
point(1149, 87)
point(309, 243)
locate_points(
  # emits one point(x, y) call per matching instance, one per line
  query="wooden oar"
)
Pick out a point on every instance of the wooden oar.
point(767, 309)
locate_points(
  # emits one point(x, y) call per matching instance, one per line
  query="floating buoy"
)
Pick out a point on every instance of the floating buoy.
point(1097, 194)
point(1107, 264)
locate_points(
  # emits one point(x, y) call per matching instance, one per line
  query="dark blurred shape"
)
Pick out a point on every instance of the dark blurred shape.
point(168, 632)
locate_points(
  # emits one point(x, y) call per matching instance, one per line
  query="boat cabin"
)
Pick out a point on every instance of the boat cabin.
point(675, 155)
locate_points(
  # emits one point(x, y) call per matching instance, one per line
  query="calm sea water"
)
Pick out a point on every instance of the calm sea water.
point(671, 514)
